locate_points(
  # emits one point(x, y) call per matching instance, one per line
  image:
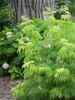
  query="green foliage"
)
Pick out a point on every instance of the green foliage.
point(6, 14)
point(43, 83)
point(40, 78)
point(62, 75)
point(62, 11)
point(8, 52)
point(55, 92)
point(48, 49)
point(15, 73)
point(1, 71)
point(72, 7)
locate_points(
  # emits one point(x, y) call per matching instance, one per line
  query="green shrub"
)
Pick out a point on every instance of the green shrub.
point(48, 48)
point(8, 51)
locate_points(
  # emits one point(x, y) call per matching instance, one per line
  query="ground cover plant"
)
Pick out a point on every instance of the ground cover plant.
point(48, 49)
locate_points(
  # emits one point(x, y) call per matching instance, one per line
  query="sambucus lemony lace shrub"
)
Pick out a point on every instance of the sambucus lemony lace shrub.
point(49, 59)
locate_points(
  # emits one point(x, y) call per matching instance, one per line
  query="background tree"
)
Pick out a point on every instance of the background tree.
point(30, 8)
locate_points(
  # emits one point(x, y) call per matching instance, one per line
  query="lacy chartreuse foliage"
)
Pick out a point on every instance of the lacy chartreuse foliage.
point(49, 59)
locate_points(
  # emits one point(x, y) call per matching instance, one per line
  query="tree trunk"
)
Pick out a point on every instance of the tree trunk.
point(30, 8)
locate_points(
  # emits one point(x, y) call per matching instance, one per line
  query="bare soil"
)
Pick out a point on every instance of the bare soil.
point(5, 88)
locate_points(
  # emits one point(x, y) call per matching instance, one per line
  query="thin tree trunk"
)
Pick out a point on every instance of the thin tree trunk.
point(30, 8)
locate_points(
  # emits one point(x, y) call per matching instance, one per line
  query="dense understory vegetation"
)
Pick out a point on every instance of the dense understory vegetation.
point(48, 49)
